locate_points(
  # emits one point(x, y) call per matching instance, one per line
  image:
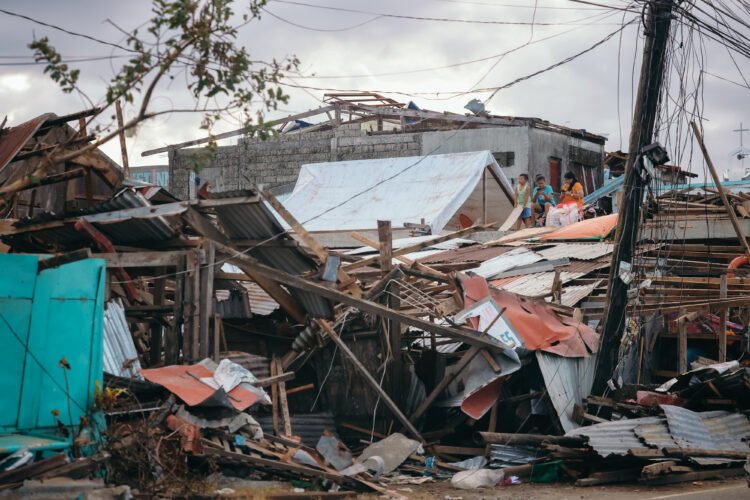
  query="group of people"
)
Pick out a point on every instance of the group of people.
point(538, 201)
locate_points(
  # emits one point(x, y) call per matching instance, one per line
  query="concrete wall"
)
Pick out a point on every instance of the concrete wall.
point(277, 161)
point(496, 140)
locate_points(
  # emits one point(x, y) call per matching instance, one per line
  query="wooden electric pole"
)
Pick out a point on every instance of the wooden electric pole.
point(656, 31)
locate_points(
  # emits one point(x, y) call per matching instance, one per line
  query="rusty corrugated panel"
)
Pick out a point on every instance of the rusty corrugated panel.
point(14, 138)
point(260, 302)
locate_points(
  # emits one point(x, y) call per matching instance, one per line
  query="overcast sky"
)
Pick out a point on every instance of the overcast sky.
point(383, 54)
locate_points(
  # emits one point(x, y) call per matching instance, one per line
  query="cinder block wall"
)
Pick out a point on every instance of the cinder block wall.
point(277, 161)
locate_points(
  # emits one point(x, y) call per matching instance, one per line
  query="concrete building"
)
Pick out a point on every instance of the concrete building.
point(357, 129)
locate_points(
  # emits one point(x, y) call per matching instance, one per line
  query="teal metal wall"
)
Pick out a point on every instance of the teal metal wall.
point(46, 317)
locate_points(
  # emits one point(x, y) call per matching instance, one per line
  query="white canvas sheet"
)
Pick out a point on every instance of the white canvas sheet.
point(402, 190)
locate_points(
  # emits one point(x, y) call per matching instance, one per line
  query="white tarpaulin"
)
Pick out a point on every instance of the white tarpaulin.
point(435, 188)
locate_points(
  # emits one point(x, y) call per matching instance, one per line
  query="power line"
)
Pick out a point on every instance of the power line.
point(423, 18)
point(310, 28)
point(517, 6)
point(65, 61)
point(69, 32)
point(452, 65)
point(494, 90)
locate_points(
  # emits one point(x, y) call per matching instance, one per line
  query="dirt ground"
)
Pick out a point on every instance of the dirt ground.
point(734, 489)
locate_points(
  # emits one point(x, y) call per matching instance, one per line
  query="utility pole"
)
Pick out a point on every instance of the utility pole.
point(656, 30)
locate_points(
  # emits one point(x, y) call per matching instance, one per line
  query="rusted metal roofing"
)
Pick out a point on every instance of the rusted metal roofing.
point(533, 321)
point(183, 381)
point(14, 138)
point(260, 302)
point(576, 251)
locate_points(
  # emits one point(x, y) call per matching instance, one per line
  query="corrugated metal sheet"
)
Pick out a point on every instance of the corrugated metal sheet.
point(136, 229)
point(309, 427)
point(260, 366)
point(656, 435)
point(504, 456)
point(533, 285)
point(260, 302)
point(614, 438)
point(577, 251)
point(568, 381)
point(574, 294)
point(120, 356)
point(404, 242)
point(254, 221)
point(476, 253)
point(14, 138)
point(515, 258)
point(716, 430)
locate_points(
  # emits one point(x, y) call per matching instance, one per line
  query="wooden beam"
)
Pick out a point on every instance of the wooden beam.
point(447, 379)
point(462, 334)
point(722, 194)
point(723, 320)
point(419, 246)
point(233, 133)
point(325, 325)
point(206, 299)
point(682, 344)
point(121, 135)
point(344, 279)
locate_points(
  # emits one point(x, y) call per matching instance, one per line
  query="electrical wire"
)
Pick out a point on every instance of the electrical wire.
point(423, 18)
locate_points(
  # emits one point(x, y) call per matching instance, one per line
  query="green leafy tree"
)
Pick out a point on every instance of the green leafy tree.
point(194, 37)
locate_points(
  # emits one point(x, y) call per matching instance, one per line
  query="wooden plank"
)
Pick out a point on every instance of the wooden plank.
point(723, 321)
point(233, 133)
point(447, 379)
point(123, 145)
point(512, 219)
point(463, 334)
point(275, 398)
point(286, 419)
point(156, 341)
point(419, 246)
point(172, 339)
point(717, 183)
point(270, 464)
point(206, 299)
point(325, 325)
point(344, 279)
point(682, 343)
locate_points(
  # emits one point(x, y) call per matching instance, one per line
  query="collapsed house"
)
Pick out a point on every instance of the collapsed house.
point(365, 126)
point(231, 334)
